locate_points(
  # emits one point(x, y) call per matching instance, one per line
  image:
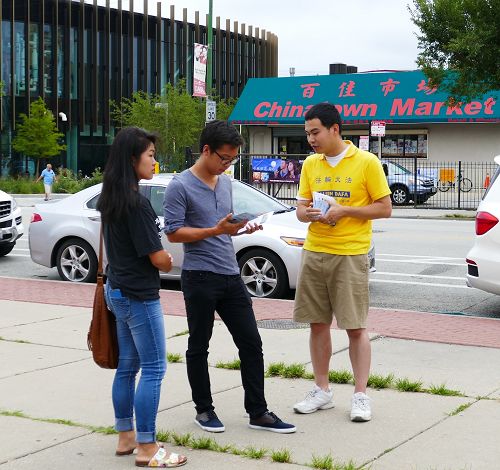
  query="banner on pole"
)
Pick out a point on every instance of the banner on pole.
point(200, 70)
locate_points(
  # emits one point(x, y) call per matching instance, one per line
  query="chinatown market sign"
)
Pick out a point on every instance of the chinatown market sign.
point(393, 97)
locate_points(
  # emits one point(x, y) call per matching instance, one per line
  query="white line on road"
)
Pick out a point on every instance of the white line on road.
point(420, 275)
point(21, 249)
point(14, 254)
point(414, 261)
point(419, 256)
point(388, 281)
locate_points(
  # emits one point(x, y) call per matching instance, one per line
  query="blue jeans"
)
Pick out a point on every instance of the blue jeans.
point(141, 339)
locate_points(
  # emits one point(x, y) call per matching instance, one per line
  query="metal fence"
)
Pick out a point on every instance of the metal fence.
point(457, 185)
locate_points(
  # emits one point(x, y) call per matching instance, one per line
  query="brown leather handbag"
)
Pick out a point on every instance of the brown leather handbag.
point(101, 338)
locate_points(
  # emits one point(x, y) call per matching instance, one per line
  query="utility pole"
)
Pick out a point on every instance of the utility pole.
point(209, 56)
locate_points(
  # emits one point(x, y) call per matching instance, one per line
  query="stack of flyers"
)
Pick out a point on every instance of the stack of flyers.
point(322, 201)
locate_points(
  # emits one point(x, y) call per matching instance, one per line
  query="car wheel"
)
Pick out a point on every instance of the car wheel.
point(400, 195)
point(6, 249)
point(263, 274)
point(76, 261)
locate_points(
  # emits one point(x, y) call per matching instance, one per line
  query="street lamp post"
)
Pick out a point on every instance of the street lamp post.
point(210, 41)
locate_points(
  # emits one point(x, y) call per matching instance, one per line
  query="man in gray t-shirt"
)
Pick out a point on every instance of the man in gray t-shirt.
point(198, 213)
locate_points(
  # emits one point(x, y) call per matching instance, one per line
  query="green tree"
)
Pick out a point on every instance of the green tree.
point(176, 116)
point(460, 46)
point(37, 135)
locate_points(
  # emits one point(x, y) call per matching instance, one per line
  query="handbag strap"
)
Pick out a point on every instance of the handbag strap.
point(99, 263)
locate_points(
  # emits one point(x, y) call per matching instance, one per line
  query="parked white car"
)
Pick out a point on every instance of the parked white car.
point(11, 223)
point(65, 233)
point(483, 260)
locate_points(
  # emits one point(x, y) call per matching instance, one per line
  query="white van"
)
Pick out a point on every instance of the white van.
point(11, 223)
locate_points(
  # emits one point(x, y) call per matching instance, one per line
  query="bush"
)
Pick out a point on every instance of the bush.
point(94, 179)
point(20, 186)
point(67, 183)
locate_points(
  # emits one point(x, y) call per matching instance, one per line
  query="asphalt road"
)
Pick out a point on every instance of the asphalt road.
point(420, 266)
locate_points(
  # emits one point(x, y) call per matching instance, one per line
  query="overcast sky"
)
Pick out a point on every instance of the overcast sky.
point(370, 34)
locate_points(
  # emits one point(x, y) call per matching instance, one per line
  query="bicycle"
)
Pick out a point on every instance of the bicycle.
point(465, 184)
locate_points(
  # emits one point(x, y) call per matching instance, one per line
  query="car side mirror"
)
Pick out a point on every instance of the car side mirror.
point(386, 169)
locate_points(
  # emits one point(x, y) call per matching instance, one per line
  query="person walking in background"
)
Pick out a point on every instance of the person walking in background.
point(49, 177)
point(132, 237)
point(333, 278)
point(198, 213)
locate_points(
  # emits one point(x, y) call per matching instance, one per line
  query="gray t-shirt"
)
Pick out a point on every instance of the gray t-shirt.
point(191, 203)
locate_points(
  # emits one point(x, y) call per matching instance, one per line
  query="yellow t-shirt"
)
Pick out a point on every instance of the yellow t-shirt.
point(358, 180)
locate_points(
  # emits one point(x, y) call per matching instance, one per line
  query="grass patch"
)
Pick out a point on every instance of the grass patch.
point(275, 369)
point(460, 408)
point(181, 439)
point(224, 448)
point(107, 430)
point(181, 333)
point(345, 466)
point(379, 381)
point(16, 413)
point(308, 376)
point(293, 371)
point(281, 456)
point(204, 443)
point(340, 376)
point(163, 436)
point(290, 371)
point(460, 216)
point(174, 357)
point(406, 385)
point(325, 462)
point(233, 365)
point(254, 453)
point(442, 390)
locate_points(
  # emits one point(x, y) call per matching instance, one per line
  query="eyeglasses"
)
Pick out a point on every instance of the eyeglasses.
point(226, 160)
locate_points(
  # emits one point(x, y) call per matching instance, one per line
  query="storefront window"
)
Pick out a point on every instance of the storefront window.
point(60, 61)
point(20, 50)
point(6, 57)
point(33, 58)
point(47, 59)
point(409, 145)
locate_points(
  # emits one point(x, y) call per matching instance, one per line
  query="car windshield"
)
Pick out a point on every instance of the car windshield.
point(395, 169)
point(248, 199)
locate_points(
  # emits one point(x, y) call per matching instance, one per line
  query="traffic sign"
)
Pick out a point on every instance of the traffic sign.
point(377, 128)
point(211, 111)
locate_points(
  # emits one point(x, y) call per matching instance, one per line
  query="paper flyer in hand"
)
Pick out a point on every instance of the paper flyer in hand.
point(322, 201)
point(258, 220)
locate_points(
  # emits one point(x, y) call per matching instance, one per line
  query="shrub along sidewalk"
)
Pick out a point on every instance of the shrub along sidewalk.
point(67, 183)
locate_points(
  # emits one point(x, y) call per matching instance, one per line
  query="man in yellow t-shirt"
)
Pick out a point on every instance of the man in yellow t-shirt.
point(333, 278)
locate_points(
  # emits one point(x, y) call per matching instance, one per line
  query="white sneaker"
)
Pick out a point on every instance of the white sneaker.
point(360, 409)
point(316, 399)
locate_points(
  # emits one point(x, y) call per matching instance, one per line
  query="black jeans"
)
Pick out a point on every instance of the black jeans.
point(205, 293)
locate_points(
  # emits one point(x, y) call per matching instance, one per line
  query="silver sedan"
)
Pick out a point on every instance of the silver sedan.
point(65, 233)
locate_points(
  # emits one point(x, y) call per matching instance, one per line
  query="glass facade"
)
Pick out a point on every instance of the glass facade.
point(78, 58)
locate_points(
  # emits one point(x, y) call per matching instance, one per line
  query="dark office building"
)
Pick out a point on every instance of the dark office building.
point(78, 55)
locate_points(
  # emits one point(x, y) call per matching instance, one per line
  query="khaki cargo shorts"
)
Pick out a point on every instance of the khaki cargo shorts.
point(332, 285)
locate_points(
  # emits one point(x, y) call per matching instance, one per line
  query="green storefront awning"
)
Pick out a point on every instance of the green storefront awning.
point(393, 97)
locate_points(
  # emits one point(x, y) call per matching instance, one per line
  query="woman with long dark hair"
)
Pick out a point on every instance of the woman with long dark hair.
point(132, 237)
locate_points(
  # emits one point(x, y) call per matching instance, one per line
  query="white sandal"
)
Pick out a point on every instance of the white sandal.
point(163, 460)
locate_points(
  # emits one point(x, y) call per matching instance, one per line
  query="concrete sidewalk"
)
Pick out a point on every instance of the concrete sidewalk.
point(54, 400)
